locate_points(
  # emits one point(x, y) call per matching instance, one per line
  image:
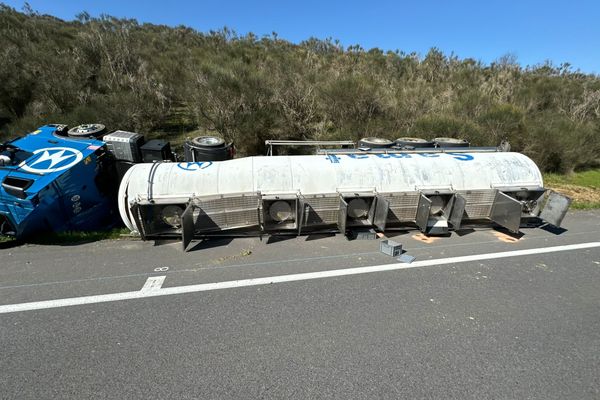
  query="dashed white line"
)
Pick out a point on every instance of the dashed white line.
point(272, 262)
point(153, 283)
point(74, 301)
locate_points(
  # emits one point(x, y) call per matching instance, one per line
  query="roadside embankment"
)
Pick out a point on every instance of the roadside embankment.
point(582, 187)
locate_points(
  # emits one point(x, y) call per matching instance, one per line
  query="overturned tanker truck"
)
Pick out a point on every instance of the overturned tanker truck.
point(434, 190)
point(57, 179)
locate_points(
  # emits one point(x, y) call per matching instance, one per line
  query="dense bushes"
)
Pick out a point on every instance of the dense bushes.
point(169, 81)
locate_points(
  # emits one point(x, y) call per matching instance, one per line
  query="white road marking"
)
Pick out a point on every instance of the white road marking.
point(530, 238)
point(75, 301)
point(153, 283)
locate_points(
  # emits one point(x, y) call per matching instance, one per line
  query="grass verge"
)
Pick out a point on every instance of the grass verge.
point(583, 187)
point(67, 238)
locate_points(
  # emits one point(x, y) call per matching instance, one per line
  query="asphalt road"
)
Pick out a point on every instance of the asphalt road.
point(523, 326)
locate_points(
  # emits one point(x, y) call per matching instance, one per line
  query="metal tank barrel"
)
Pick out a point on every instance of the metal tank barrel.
point(302, 193)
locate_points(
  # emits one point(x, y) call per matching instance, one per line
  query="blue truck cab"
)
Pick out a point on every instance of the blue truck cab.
point(52, 182)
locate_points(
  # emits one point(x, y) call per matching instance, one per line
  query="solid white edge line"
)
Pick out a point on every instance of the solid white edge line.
point(153, 283)
point(203, 287)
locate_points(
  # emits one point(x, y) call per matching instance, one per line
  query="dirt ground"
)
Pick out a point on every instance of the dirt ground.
point(581, 195)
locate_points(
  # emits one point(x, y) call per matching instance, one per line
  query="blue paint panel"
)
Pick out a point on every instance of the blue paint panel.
point(66, 191)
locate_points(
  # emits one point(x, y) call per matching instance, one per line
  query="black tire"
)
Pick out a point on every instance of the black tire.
point(87, 131)
point(375, 143)
point(208, 141)
point(415, 143)
point(450, 142)
point(199, 149)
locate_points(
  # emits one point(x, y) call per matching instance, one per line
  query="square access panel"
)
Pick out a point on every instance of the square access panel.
point(280, 212)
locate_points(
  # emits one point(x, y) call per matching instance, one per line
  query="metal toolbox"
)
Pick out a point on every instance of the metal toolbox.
point(125, 145)
point(390, 247)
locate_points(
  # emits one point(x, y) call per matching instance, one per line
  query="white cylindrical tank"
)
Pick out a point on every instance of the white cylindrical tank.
point(322, 174)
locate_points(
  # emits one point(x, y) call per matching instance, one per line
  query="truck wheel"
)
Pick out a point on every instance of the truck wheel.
point(208, 141)
point(208, 148)
point(415, 143)
point(87, 131)
point(450, 142)
point(375, 143)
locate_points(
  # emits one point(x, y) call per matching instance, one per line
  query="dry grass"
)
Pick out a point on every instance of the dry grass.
point(582, 187)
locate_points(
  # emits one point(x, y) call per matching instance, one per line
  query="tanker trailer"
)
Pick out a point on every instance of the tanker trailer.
point(434, 191)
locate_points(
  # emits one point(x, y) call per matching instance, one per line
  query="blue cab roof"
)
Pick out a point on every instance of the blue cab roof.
point(51, 156)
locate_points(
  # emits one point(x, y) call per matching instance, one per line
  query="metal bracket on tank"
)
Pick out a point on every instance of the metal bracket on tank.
point(439, 189)
point(151, 174)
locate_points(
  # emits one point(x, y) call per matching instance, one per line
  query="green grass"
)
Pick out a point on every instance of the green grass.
point(583, 187)
point(72, 237)
point(78, 237)
point(4, 239)
point(590, 179)
point(585, 205)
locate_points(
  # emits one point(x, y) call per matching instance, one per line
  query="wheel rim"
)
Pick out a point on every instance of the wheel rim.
point(208, 141)
point(411, 140)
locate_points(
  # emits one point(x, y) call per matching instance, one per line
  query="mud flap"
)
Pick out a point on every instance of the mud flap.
point(457, 212)
point(555, 208)
point(423, 212)
point(187, 225)
point(342, 216)
point(382, 206)
point(506, 212)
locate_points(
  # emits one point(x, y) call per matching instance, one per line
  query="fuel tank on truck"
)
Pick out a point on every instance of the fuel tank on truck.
point(433, 191)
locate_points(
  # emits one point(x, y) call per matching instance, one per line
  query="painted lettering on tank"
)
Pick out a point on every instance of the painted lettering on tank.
point(393, 155)
point(461, 156)
point(334, 159)
point(358, 156)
